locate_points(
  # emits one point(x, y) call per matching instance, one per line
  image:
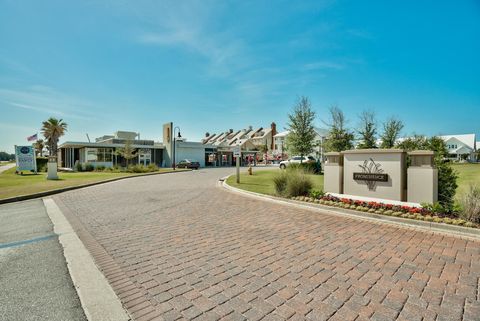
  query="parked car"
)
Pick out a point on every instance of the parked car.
point(297, 160)
point(187, 163)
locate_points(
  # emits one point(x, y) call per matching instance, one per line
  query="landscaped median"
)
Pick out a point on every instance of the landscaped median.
point(426, 213)
point(270, 183)
point(15, 187)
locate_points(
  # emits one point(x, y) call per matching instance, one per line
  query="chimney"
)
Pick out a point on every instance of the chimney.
point(273, 126)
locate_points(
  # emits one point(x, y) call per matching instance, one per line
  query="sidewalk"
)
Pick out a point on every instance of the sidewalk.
point(34, 278)
point(3, 168)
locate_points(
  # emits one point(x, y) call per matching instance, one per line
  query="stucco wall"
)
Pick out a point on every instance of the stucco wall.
point(196, 153)
point(391, 162)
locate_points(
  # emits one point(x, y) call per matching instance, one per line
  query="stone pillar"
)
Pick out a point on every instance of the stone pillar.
point(333, 173)
point(422, 178)
point(52, 168)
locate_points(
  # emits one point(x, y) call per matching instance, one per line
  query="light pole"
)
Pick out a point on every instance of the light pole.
point(174, 141)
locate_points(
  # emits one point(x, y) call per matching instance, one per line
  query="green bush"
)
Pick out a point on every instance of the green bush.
point(89, 167)
point(100, 168)
point(447, 185)
point(298, 183)
point(316, 194)
point(79, 167)
point(280, 183)
point(138, 168)
point(312, 168)
point(470, 203)
point(41, 163)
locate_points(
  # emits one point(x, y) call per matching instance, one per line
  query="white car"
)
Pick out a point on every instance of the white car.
point(297, 160)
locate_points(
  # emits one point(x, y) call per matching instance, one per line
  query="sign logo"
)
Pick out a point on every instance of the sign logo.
point(371, 174)
point(25, 150)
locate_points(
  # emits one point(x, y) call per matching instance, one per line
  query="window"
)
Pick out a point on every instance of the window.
point(99, 155)
point(91, 154)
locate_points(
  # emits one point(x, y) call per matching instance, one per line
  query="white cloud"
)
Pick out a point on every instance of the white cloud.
point(46, 100)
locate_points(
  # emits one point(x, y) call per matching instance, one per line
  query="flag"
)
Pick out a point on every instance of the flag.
point(32, 138)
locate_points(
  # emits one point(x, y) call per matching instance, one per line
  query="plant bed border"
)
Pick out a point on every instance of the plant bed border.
point(70, 188)
point(441, 228)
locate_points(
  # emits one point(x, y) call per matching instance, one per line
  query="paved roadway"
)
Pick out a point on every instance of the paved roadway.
point(4, 167)
point(177, 246)
point(34, 279)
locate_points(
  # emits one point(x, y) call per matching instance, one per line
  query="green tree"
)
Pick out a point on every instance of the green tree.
point(367, 130)
point(127, 152)
point(391, 132)
point(39, 145)
point(447, 177)
point(339, 138)
point(300, 140)
point(4, 156)
point(52, 130)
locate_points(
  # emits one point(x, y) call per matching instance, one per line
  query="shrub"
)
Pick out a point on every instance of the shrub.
point(89, 167)
point(152, 168)
point(100, 168)
point(311, 168)
point(470, 203)
point(447, 185)
point(316, 194)
point(298, 183)
point(280, 183)
point(78, 167)
point(41, 163)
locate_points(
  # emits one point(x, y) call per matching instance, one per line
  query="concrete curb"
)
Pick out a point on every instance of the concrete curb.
point(70, 188)
point(437, 228)
point(98, 299)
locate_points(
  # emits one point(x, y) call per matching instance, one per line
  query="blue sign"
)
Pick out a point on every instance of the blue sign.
point(25, 157)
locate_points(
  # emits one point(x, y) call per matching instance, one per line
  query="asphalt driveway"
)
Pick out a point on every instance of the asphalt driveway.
point(34, 280)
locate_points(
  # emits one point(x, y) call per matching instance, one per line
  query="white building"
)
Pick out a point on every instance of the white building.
point(281, 148)
point(461, 147)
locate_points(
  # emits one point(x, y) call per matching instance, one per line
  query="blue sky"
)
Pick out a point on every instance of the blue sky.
point(114, 65)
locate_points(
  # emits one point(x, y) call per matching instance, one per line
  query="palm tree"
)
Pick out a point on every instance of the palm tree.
point(39, 145)
point(53, 129)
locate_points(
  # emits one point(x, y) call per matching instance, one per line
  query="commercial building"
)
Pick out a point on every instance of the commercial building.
point(104, 151)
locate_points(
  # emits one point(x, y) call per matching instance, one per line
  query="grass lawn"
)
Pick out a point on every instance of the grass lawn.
point(262, 181)
point(467, 174)
point(15, 185)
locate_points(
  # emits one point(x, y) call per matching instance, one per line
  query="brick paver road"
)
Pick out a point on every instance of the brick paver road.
point(179, 247)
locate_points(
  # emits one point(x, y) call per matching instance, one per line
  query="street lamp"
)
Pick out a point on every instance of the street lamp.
point(174, 141)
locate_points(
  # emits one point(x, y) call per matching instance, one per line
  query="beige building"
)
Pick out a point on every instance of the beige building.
point(252, 142)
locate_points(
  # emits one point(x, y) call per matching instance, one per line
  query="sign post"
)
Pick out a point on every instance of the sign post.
point(237, 154)
point(25, 158)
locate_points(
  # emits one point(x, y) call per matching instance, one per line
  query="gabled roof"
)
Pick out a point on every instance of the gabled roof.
point(463, 150)
point(467, 139)
point(261, 133)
